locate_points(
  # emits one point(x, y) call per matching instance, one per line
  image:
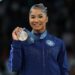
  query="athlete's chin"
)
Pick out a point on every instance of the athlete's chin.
point(36, 29)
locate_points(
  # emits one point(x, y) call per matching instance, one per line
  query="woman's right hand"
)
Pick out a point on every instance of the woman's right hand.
point(16, 32)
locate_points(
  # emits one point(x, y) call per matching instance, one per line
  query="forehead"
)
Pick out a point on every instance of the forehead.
point(36, 11)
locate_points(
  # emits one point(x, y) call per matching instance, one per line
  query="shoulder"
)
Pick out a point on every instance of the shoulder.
point(55, 39)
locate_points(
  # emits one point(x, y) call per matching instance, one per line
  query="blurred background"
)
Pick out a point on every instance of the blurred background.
point(61, 23)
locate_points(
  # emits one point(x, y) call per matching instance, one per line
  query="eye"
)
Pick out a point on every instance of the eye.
point(32, 17)
point(40, 16)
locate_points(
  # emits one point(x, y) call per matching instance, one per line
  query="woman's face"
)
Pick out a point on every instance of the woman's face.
point(38, 20)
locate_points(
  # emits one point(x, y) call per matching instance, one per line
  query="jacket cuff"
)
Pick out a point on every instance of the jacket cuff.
point(16, 43)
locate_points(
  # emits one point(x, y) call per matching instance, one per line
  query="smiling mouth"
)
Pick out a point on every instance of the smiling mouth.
point(36, 24)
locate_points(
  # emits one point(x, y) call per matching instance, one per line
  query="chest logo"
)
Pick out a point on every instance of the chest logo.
point(50, 43)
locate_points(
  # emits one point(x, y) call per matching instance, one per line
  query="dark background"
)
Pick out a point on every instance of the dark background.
point(61, 23)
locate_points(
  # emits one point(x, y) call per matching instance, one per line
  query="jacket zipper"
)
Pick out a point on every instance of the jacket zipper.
point(43, 61)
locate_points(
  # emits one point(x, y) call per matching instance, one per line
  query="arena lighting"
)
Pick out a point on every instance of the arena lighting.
point(1, 0)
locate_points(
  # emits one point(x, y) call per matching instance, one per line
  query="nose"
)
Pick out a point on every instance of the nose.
point(36, 20)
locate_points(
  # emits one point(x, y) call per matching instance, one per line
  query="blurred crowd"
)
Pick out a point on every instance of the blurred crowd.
point(61, 23)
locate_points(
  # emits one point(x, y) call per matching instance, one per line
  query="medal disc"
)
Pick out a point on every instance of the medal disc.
point(23, 36)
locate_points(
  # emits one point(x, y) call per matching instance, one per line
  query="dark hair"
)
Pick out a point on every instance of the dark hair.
point(40, 6)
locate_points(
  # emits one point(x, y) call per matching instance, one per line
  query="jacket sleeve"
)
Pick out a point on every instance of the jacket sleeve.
point(63, 60)
point(15, 57)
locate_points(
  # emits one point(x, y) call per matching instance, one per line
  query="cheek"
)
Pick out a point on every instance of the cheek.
point(30, 20)
point(44, 20)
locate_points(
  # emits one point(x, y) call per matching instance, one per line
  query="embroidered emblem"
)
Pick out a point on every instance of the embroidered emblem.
point(50, 43)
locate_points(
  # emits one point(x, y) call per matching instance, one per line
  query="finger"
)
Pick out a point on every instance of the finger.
point(16, 30)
